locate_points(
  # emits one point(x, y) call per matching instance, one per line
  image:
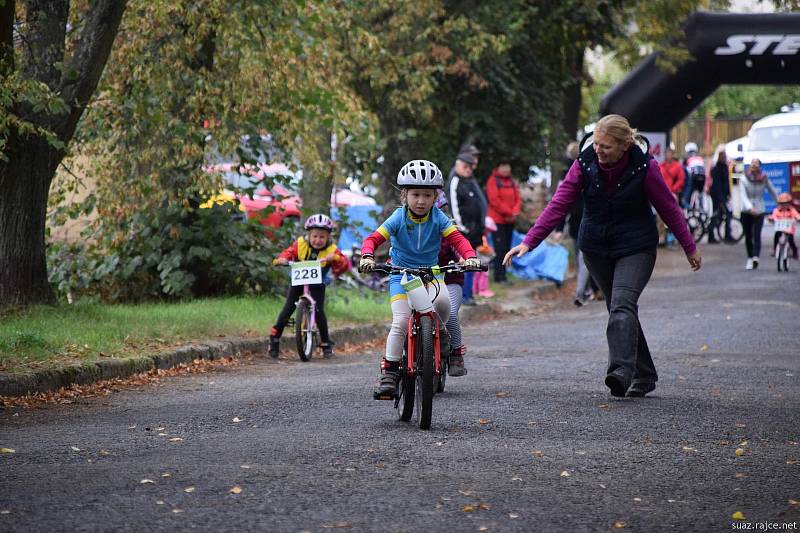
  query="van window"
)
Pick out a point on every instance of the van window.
point(775, 138)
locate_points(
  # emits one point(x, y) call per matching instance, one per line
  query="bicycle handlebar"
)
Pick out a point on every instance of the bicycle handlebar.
point(427, 273)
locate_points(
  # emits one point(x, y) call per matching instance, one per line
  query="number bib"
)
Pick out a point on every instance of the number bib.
point(784, 224)
point(306, 273)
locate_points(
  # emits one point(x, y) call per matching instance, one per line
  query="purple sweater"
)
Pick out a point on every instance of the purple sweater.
point(654, 187)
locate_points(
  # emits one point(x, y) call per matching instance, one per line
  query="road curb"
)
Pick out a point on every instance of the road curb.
point(54, 379)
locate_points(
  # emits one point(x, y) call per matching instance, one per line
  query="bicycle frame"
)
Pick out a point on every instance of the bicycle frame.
point(312, 319)
point(411, 351)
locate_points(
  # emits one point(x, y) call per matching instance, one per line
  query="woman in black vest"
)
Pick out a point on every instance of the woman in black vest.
point(618, 181)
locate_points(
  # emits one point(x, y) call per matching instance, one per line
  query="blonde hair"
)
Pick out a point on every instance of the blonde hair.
point(572, 150)
point(618, 127)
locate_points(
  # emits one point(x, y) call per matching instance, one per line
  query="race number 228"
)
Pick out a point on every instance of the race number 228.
point(306, 272)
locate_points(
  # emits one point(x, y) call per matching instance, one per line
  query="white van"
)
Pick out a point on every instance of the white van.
point(775, 140)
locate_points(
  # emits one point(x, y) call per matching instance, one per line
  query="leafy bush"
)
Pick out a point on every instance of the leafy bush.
point(170, 252)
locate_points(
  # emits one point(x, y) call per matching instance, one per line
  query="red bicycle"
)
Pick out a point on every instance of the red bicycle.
point(423, 365)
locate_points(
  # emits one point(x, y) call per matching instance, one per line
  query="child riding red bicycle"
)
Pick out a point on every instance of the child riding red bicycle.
point(415, 231)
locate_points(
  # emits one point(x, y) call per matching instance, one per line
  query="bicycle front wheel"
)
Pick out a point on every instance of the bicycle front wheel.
point(425, 371)
point(302, 330)
point(697, 227)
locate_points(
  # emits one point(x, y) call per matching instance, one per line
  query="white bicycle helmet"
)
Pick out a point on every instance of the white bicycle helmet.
point(319, 221)
point(420, 174)
point(690, 147)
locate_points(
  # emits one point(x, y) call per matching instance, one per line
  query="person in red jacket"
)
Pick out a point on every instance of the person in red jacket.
point(315, 245)
point(502, 193)
point(673, 173)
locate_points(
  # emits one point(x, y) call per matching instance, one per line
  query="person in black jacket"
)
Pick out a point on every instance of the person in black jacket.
point(468, 207)
point(720, 191)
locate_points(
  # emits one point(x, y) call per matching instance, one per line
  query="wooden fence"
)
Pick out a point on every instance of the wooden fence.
point(721, 131)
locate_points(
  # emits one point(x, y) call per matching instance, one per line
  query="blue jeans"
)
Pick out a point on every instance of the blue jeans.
point(467, 292)
point(623, 280)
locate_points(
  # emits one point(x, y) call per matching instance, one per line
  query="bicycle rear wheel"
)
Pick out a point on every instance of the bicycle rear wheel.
point(425, 371)
point(736, 231)
point(404, 403)
point(304, 337)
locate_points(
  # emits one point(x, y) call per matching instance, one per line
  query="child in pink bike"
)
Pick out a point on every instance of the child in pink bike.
point(786, 216)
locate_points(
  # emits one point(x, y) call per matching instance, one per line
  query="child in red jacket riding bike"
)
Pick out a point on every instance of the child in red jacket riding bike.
point(315, 245)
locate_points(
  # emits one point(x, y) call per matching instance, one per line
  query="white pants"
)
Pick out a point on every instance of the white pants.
point(400, 315)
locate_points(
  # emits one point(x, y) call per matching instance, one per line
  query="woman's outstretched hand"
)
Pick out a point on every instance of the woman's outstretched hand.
point(519, 250)
point(695, 260)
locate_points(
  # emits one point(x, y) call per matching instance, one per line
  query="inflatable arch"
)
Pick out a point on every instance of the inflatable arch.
point(727, 48)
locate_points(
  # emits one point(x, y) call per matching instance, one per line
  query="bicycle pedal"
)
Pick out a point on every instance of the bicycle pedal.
point(384, 396)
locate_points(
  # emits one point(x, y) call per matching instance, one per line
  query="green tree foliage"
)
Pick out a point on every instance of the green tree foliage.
point(183, 91)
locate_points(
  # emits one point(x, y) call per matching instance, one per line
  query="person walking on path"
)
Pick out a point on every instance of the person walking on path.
point(718, 187)
point(751, 193)
point(585, 285)
point(503, 196)
point(468, 207)
point(618, 181)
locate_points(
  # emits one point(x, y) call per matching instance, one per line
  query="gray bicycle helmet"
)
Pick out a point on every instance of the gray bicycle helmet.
point(420, 174)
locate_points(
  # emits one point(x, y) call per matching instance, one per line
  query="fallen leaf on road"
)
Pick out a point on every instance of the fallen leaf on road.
point(160, 428)
point(5, 511)
point(166, 474)
point(8, 450)
point(380, 465)
point(176, 439)
point(237, 419)
point(671, 501)
point(74, 448)
point(483, 528)
point(162, 434)
point(689, 449)
point(188, 489)
point(103, 451)
point(619, 525)
point(602, 486)
point(537, 453)
point(565, 474)
point(740, 425)
point(132, 427)
point(740, 475)
point(245, 466)
point(338, 525)
point(466, 492)
point(483, 421)
point(704, 348)
point(603, 406)
point(469, 508)
point(516, 478)
point(484, 506)
point(791, 461)
point(159, 502)
point(739, 452)
point(147, 482)
point(513, 515)
point(794, 502)
point(176, 511)
point(501, 395)
point(738, 515)
point(236, 490)
point(637, 499)
point(743, 443)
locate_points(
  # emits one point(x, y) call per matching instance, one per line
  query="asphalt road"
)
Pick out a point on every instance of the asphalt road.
point(530, 440)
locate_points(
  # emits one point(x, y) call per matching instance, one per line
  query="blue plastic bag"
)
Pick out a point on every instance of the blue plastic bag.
point(546, 261)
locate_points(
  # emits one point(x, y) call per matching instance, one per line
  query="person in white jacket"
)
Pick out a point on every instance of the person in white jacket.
point(751, 194)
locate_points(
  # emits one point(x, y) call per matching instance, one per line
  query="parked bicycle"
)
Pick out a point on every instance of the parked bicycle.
point(423, 366)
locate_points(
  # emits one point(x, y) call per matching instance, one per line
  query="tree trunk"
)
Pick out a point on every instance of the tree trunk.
point(318, 174)
point(24, 187)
